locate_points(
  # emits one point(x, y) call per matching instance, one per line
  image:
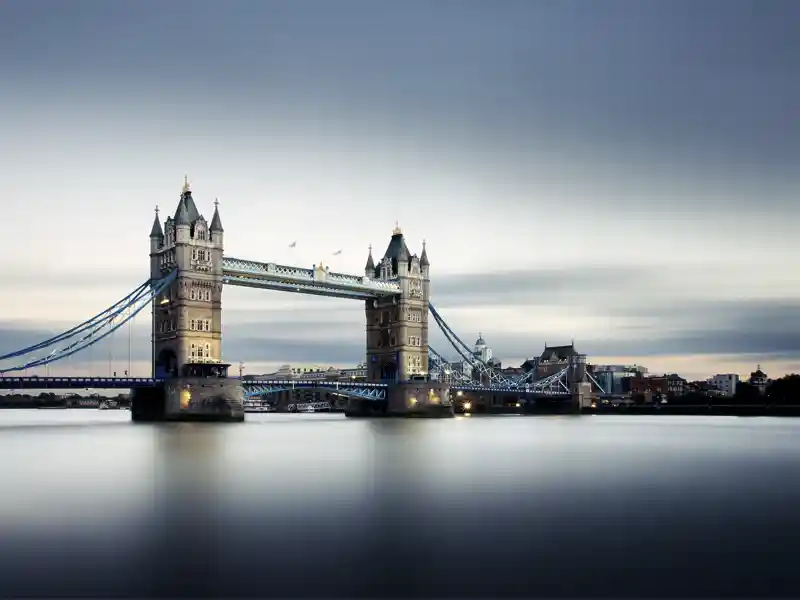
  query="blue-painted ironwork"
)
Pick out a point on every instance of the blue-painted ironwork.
point(597, 388)
point(73, 383)
point(476, 375)
point(101, 318)
point(101, 329)
point(368, 391)
point(318, 281)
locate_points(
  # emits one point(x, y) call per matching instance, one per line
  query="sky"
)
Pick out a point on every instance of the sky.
point(621, 173)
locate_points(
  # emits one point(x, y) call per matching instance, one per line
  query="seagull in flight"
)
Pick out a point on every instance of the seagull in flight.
point(338, 252)
point(293, 244)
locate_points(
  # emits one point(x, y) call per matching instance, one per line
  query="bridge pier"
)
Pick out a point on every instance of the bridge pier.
point(582, 396)
point(189, 399)
point(406, 399)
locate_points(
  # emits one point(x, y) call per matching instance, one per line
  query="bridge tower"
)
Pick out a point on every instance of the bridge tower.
point(187, 318)
point(397, 327)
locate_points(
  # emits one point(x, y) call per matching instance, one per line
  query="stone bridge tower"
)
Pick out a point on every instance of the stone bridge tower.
point(187, 318)
point(397, 327)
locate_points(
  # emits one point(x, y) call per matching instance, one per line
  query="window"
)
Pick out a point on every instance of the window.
point(415, 316)
point(208, 351)
point(207, 325)
point(194, 253)
point(414, 364)
point(208, 295)
point(192, 324)
point(193, 352)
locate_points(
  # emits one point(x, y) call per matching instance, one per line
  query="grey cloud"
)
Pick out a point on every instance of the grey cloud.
point(758, 328)
point(537, 286)
point(118, 281)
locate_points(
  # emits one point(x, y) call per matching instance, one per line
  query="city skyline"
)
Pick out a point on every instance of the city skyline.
point(623, 176)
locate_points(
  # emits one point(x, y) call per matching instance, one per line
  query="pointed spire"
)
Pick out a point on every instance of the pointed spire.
point(370, 261)
point(397, 230)
point(192, 214)
point(181, 215)
point(423, 260)
point(156, 231)
point(216, 222)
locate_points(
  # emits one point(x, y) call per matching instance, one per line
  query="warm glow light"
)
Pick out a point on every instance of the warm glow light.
point(186, 397)
point(459, 393)
point(517, 404)
point(412, 401)
point(467, 405)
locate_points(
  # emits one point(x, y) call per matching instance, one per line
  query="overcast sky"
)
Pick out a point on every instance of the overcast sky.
point(623, 173)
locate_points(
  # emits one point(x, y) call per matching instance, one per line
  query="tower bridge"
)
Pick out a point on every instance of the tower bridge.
point(188, 271)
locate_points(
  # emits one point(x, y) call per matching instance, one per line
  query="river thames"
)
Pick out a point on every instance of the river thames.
point(319, 505)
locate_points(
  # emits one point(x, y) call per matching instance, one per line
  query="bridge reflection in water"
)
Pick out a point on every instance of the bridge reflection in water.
point(325, 506)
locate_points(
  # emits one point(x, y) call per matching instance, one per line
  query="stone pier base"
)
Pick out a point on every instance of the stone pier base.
point(582, 396)
point(408, 399)
point(189, 399)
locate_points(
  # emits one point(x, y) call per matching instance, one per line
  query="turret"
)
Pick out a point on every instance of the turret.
point(156, 234)
point(216, 226)
point(182, 221)
point(369, 269)
point(423, 261)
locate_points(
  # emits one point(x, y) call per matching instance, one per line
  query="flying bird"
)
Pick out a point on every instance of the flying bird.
point(337, 253)
point(293, 244)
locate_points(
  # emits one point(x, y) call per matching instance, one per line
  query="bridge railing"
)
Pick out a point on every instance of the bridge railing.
point(235, 267)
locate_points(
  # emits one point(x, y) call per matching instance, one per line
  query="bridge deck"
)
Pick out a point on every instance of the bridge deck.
point(66, 383)
point(317, 281)
point(63, 383)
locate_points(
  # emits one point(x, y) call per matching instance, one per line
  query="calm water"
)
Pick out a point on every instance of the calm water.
point(302, 505)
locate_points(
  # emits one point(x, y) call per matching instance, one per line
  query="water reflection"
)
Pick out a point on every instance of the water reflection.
point(321, 505)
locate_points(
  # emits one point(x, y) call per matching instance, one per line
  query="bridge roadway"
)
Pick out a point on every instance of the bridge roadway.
point(254, 387)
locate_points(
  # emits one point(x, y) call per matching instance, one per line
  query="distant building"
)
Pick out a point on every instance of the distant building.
point(552, 360)
point(512, 372)
point(357, 373)
point(676, 385)
point(615, 379)
point(759, 380)
point(725, 382)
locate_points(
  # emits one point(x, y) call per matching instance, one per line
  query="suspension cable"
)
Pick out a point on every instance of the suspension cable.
point(155, 288)
point(102, 316)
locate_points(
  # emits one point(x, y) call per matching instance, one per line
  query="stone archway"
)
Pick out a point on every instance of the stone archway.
point(389, 372)
point(166, 364)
